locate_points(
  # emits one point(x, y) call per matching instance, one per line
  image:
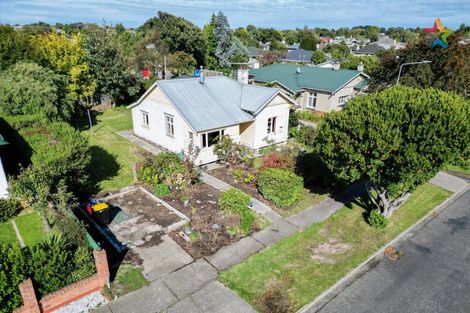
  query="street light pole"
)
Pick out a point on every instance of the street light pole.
point(410, 63)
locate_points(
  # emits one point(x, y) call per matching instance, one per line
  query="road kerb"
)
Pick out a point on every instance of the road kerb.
point(373, 260)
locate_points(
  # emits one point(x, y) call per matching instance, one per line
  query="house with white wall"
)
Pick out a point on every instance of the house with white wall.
point(313, 88)
point(174, 113)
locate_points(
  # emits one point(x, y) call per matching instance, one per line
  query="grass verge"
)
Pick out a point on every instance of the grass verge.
point(31, 228)
point(112, 155)
point(308, 199)
point(311, 261)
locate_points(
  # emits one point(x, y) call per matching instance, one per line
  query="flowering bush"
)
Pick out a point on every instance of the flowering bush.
point(277, 160)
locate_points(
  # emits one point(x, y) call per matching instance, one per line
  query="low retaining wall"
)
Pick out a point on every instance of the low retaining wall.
point(68, 294)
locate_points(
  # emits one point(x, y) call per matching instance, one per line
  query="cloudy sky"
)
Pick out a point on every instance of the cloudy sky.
point(274, 13)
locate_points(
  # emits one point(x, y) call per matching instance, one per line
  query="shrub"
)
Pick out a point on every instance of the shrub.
point(309, 116)
point(8, 209)
point(280, 186)
point(277, 160)
point(377, 220)
point(275, 299)
point(12, 266)
point(229, 152)
point(243, 176)
point(236, 201)
point(161, 190)
point(166, 167)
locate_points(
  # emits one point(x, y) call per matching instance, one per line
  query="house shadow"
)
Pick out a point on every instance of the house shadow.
point(17, 153)
point(103, 166)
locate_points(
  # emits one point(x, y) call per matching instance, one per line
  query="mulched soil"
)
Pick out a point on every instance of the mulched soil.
point(139, 203)
point(204, 212)
point(225, 175)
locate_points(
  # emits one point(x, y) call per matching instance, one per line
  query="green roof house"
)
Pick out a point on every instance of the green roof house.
point(312, 87)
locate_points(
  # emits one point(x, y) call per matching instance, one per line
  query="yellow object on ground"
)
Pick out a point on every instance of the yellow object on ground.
point(99, 206)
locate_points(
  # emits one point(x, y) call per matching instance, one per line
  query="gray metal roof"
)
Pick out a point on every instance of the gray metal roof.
point(299, 55)
point(218, 102)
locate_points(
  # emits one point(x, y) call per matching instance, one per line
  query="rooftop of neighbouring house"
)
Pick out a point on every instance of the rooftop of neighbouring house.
point(299, 55)
point(310, 77)
point(218, 102)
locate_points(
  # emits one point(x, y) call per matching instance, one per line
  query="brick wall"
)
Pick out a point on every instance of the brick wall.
point(68, 294)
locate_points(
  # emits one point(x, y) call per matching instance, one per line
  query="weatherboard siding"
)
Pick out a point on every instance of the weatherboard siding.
point(347, 90)
point(157, 105)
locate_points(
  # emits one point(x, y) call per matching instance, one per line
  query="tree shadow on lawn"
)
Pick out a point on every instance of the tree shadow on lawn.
point(103, 166)
point(81, 120)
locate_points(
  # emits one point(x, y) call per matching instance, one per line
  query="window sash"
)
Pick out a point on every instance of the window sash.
point(343, 99)
point(169, 125)
point(145, 118)
point(312, 100)
point(210, 138)
point(271, 125)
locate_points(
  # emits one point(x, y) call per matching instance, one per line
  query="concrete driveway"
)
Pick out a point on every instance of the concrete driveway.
point(432, 276)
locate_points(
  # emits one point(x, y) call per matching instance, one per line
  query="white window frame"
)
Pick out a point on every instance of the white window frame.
point(169, 125)
point(342, 100)
point(312, 100)
point(205, 138)
point(271, 125)
point(145, 118)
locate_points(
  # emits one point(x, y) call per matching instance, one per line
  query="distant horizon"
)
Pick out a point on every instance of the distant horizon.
point(278, 14)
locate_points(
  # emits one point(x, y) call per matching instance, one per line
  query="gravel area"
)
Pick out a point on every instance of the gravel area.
point(84, 305)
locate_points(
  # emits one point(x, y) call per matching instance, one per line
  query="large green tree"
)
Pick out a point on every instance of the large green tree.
point(115, 77)
point(27, 88)
point(14, 46)
point(448, 71)
point(179, 34)
point(370, 62)
point(395, 140)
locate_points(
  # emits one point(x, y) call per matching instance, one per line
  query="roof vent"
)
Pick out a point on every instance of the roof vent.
point(201, 76)
point(298, 71)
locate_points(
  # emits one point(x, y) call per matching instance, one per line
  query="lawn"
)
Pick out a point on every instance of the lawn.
point(7, 233)
point(464, 169)
point(311, 261)
point(31, 228)
point(308, 199)
point(128, 278)
point(113, 157)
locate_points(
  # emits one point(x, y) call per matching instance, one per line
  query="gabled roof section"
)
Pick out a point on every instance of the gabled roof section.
point(299, 55)
point(216, 103)
point(310, 77)
point(373, 48)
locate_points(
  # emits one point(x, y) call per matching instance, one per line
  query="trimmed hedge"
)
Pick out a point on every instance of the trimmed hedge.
point(281, 187)
point(8, 209)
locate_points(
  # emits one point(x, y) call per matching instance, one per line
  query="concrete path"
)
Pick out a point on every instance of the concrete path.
point(433, 275)
point(17, 232)
point(147, 146)
point(449, 182)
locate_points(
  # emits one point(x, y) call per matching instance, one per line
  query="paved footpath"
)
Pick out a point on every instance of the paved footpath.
point(194, 287)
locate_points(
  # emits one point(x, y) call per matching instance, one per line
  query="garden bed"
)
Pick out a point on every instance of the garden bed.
point(308, 198)
point(213, 228)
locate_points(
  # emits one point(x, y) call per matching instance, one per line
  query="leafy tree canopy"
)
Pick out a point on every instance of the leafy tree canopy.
point(318, 57)
point(395, 139)
point(27, 88)
point(370, 62)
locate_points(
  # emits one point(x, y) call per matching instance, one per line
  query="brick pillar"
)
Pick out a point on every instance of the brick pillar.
point(30, 302)
point(101, 264)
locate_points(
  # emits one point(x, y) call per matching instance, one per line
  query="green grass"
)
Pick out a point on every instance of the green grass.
point(31, 228)
point(112, 156)
point(464, 169)
point(7, 233)
point(291, 259)
point(128, 279)
point(308, 199)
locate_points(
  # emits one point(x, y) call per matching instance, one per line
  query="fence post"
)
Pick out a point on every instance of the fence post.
point(101, 264)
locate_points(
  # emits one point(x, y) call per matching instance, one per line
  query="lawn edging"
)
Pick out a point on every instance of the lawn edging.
point(328, 295)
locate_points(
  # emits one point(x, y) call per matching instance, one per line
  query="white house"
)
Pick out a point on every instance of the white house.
point(3, 176)
point(172, 113)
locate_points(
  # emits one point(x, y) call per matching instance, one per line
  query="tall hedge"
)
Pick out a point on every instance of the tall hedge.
point(281, 187)
point(12, 270)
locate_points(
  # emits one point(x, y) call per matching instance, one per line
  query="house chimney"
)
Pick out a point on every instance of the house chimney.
point(360, 67)
point(242, 76)
point(201, 75)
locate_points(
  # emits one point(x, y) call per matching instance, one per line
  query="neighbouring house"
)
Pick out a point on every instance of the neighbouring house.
point(254, 52)
point(3, 176)
point(312, 87)
point(371, 49)
point(174, 113)
point(293, 47)
point(298, 56)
